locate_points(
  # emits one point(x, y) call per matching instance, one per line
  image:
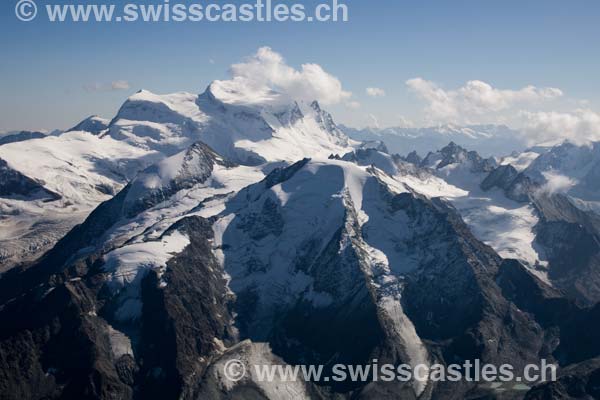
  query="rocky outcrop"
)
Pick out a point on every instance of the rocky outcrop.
point(93, 124)
point(61, 340)
point(570, 238)
point(413, 158)
point(501, 177)
point(580, 381)
point(15, 184)
point(322, 262)
point(455, 154)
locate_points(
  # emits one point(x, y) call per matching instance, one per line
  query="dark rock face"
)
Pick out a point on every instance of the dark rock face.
point(559, 207)
point(570, 238)
point(83, 238)
point(181, 321)
point(568, 235)
point(574, 257)
point(347, 330)
point(580, 381)
point(325, 120)
point(516, 186)
point(413, 158)
point(267, 222)
point(454, 154)
point(570, 328)
point(459, 308)
point(290, 116)
point(93, 124)
point(433, 301)
point(56, 341)
point(60, 314)
point(282, 174)
point(548, 305)
point(521, 188)
point(465, 302)
point(198, 163)
point(15, 184)
point(51, 346)
point(360, 154)
point(501, 178)
point(342, 329)
point(589, 183)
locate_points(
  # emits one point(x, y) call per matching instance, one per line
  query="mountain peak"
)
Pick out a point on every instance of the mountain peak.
point(452, 148)
point(92, 124)
point(246, 126)
point(455, 154)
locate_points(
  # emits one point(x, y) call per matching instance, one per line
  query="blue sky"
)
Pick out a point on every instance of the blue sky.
point(46, 67)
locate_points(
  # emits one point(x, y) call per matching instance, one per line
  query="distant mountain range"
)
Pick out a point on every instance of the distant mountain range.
point(488, 140)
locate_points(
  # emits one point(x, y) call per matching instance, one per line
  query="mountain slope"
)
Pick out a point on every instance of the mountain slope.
point(245, 133)
point(560, 185)
point(238, 224)
point(80, 170)
point(93, 124)
point(321, 259)
point(94, 160)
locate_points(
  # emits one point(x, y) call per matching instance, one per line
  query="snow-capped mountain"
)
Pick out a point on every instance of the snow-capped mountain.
point(93, 124)
point(241, 225)
point(569, 168)
point(462, 178)
point(487, 140)
point(12, 137)
point(185, 246)
point(562, 185)
point(94, 160)
point(455, 154)
point(566, 168)
point(245, 132)
point(515, 211)
point(79, 169)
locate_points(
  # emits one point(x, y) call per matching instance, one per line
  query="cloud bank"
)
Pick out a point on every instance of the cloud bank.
point(265, 76)
point(375, 92)
point(107, 86)
point(556, 183)
point(526, 109)
point(579, 126)
point(474, 99)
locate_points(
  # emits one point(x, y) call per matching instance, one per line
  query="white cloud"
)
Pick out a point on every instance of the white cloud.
point(579, 126)
point(475, 99)
point(353, 105)
point(107, 86)
point(556, 183)
point(265, 76)
point(375, 92)
point(119, 85)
